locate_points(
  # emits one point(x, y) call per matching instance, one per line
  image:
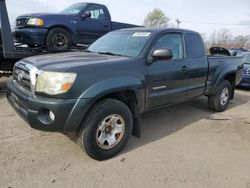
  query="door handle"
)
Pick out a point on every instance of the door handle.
point(184, 68)
point(106, 26)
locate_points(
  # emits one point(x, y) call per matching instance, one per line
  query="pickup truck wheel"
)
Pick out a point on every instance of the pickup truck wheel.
point(219, 102)
point(58, 39)
point(106, 129)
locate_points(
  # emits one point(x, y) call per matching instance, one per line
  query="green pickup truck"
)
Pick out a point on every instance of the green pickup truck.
point(102, 92)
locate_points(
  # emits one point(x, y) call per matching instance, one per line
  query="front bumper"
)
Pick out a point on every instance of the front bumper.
point(68, 113)
point(31, 36)
point(245, 81)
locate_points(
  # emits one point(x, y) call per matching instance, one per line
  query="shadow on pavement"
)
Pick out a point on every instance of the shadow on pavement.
point(3, 82)
point(161, 123)
point(243, 89)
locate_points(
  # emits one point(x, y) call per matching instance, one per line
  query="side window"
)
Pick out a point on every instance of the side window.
point(173, 42)
point(97, 12)
point(195, 46)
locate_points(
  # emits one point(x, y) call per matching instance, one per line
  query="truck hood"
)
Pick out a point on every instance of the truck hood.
point(44, 15)
point(72, 61)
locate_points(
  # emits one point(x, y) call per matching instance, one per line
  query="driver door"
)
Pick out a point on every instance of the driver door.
point(90, 29)
point(168, 79)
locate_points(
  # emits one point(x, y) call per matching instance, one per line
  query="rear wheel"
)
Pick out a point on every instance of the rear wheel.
point(58, 39)
point(219, 102)
point(106, 129)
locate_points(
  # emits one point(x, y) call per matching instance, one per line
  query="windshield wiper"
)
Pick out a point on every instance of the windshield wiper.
point(109, 53)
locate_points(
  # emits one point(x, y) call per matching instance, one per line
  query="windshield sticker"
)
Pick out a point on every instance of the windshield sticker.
point(141, 34)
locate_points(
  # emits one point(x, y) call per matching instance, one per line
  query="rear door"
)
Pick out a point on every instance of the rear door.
point(168, 79)
point(90, 29)
point(197, 64)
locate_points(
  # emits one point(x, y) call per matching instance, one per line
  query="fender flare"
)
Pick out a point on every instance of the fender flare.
point(109, 86)
point(103, 88)
point(222, 76)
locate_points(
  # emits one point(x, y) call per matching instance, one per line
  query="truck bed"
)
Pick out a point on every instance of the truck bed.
point(216, 60)
point(119, 25)
point(217, 65)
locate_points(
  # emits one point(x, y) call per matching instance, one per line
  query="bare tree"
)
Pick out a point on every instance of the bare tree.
point(240, 41)
point(221, 38)
point(247, 45)
point(206, 42)
point(224, 38)
point(156, 18)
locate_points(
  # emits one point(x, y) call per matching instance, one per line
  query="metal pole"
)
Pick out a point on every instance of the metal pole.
point(178, 22)
point(6, 34)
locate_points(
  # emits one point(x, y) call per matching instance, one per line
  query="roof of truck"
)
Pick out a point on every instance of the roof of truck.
point(160, 29)
point(91, 3)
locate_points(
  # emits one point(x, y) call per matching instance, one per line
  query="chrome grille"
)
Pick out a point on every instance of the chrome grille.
point(21, 22)
point(22, 76)
point(25, 75)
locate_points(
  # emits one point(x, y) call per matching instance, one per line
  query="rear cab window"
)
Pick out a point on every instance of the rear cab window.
point(97, 12)
point(194, 45)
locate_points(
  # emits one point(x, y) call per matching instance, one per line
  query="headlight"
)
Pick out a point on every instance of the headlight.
point(35, 22)
point(53, 83)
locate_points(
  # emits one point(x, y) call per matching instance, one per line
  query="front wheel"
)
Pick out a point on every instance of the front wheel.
point(106, 129)
point(58, 39)
point(219, 102)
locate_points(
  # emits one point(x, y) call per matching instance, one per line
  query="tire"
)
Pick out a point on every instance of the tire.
point(97, 135)
point(58, 39)
point(219, 102)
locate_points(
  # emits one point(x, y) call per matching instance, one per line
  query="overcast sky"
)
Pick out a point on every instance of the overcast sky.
point(219, 13)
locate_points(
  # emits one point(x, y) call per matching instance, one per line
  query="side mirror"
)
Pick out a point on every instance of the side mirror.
point(162, 54)
point(86, 14)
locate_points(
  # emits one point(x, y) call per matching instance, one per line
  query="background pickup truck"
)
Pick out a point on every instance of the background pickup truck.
point(81, 23)
point(102, 92)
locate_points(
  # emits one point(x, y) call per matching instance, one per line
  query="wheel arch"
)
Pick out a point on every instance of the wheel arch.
point(130, 92)
point(229, 76)
point(71, 32)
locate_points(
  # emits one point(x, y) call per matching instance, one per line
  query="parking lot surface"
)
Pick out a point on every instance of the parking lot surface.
point(185, 145)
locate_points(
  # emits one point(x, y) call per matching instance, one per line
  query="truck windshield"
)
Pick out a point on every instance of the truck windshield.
point(74, 9)
point(123, 43)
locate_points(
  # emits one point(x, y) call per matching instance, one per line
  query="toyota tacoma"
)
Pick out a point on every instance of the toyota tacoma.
point(102, 92)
